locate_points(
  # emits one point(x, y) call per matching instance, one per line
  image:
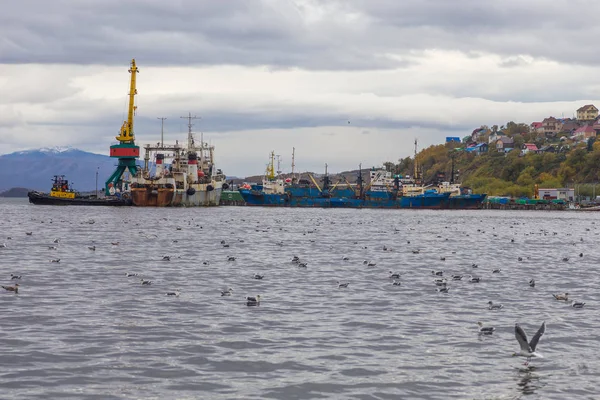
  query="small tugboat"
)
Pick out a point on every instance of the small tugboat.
point(62, 193)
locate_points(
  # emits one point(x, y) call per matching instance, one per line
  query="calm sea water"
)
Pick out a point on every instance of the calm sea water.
point(81, 329)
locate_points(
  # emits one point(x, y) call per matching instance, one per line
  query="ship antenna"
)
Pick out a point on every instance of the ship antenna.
point(190, 118)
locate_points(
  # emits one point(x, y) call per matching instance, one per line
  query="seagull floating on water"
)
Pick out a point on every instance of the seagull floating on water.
point(342, 285)
point(253, 301)
point(29, 233)
point(166, 258)
point(457, 277)
point(302, 265)
point(56, 240)
point(230, 258)
point(528, 349)
point(444, 289)
point(93, 248)
point(129, 274)
point(493, 306)
point(55, 260)
point(257, 276)
point(496, 271)
point(227, 292)
point(532, 283)
point(577, 304)
point(396, 283)
point(145, 282)
point(52, 247)
point(3, 246)
point(394, 275)
point(12, 288)
point(438, 273)
point(175, 293)
point(12, 276)
point(561, 296)
point(485, 330)
point(474, 279)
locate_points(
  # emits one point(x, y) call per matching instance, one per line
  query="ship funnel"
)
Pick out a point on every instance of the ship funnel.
point(160, 166)
point(193, 167)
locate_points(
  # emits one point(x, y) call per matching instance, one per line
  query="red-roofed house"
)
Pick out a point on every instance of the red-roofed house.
point(584, 133)
point(537, 127)
point(587, 113)
point(529, 148)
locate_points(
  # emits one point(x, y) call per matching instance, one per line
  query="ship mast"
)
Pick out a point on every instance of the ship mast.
point(293, 163)
point(271, 167)
point(416, 174)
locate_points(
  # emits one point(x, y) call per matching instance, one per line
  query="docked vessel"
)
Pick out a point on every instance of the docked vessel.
point(181, 175)
point(62, 193)
point(461, 198)
point(383, 191)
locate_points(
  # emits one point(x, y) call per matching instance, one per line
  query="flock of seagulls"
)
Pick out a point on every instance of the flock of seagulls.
point(528, 349)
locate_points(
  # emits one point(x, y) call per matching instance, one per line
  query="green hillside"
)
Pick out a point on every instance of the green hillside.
point(512, 173)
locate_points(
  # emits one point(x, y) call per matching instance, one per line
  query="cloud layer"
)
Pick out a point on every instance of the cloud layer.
point(346, 82)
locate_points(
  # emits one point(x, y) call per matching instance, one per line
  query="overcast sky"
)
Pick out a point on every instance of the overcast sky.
point(343, 81)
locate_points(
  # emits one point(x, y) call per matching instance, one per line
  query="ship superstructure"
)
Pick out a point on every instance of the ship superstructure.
point(182, 175)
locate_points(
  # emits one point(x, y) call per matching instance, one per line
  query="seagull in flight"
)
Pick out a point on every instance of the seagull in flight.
point(528, 349)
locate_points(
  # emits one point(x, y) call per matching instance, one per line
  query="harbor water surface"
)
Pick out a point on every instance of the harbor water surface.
point(82, 329)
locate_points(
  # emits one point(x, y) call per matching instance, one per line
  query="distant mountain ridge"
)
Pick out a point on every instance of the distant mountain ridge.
point(34, 169)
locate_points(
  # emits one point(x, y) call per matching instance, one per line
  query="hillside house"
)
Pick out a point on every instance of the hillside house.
point(478, 134)
point(587, 113)
point(537, 127)
point(495, 136)
point(584, 133)
point(551, 126)
point(548, 149)
point(478, 149)
point(505, 144)
point(529, 148)
point(569, 126)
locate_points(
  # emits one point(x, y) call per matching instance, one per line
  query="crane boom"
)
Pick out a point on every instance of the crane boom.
point(126, 135)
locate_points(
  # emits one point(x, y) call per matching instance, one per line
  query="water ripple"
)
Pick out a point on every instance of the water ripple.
point(82, 329)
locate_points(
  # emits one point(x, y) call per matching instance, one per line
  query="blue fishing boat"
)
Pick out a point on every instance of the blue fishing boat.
point(382, 191)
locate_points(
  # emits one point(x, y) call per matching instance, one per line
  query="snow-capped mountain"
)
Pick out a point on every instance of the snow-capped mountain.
point(34, 169)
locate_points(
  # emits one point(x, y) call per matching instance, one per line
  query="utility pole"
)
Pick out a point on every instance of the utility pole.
point(97, 169)
point(162, 129)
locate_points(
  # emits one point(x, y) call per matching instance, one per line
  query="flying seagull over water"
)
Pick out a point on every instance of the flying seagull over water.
point(528, 349)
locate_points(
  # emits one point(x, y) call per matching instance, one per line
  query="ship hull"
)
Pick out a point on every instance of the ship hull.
point(155, 196)
point(379, 200)
point(466, 202)
point(152, 196)
point(201, 198)
point(44, 199)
